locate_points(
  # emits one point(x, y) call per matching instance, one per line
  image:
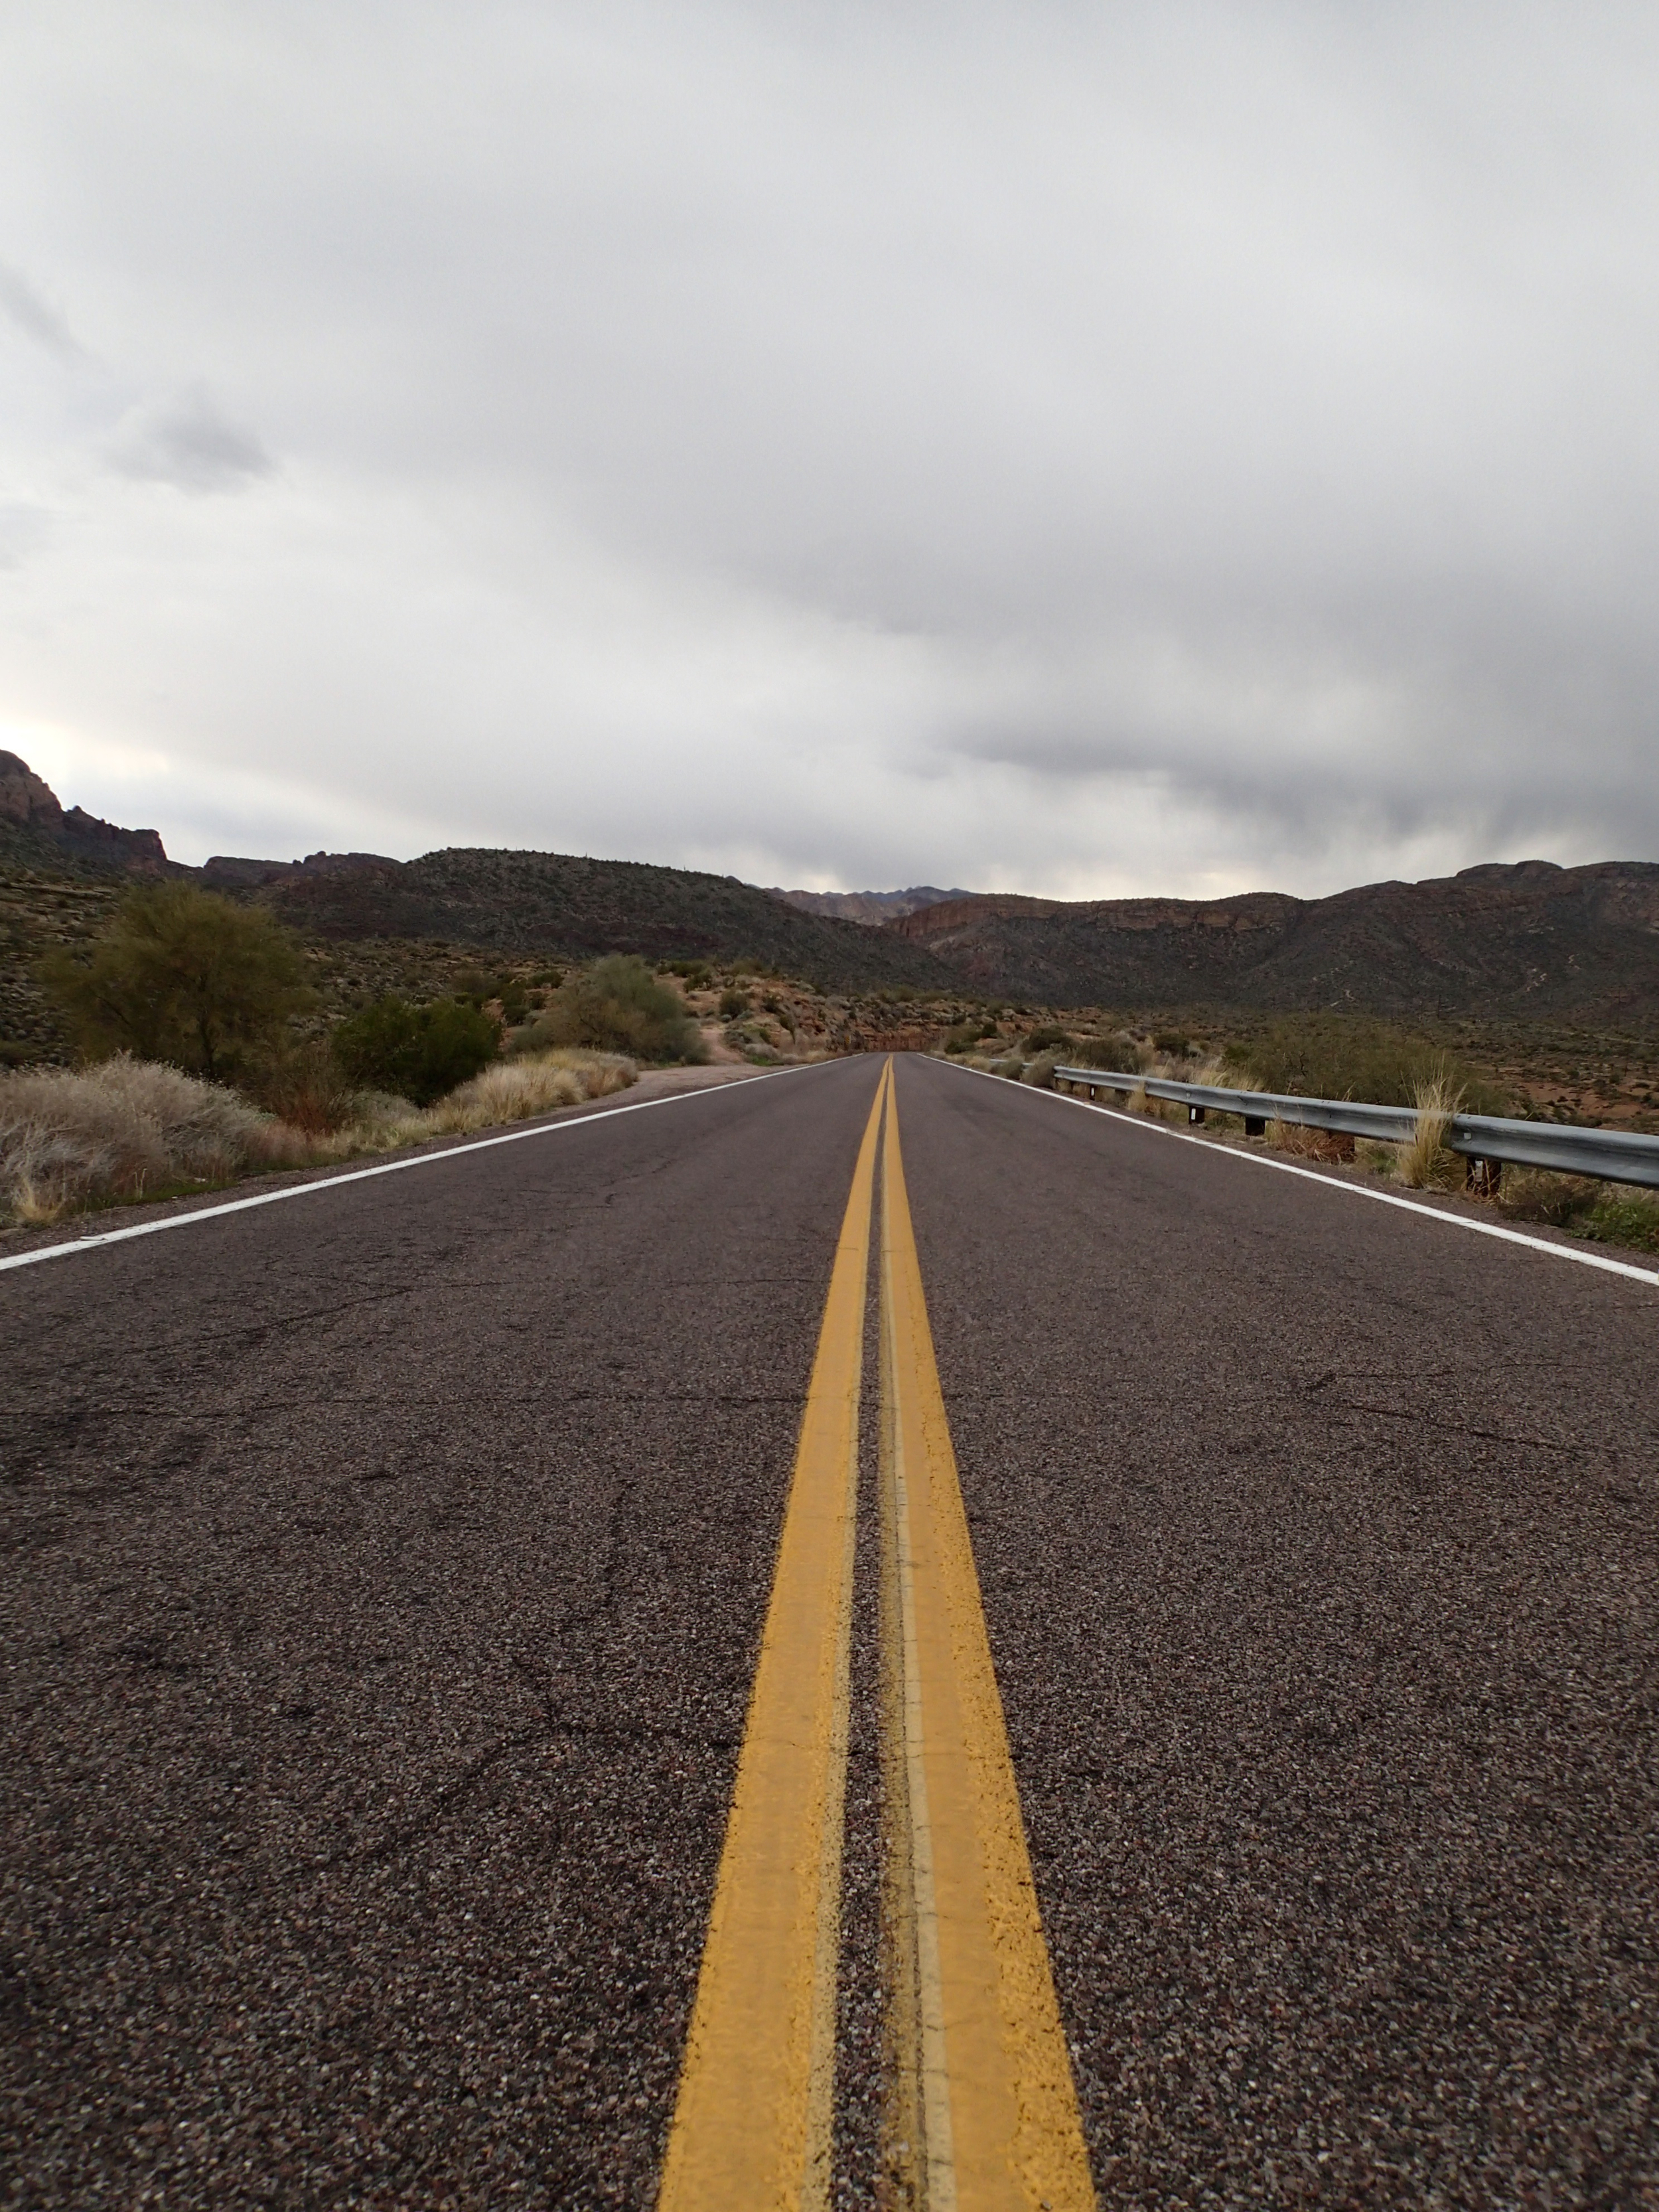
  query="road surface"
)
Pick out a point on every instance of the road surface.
point(386, 1574)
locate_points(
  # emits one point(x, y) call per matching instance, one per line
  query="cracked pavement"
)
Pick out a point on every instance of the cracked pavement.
point(382, 1577)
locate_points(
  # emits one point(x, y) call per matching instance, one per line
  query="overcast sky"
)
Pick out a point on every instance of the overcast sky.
point(1082, 449)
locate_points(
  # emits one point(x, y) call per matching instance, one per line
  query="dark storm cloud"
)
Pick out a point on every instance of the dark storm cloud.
point(1174, 445)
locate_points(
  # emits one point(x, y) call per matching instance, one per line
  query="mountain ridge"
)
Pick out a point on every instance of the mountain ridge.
point(870, 908)
point(1502, 937)
point(1509, 938)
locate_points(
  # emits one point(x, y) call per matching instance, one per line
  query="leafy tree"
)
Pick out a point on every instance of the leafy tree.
point(183, 976)
point(618, 1006)
point(417, 1052)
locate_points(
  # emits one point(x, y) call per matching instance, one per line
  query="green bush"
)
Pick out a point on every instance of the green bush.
point(418, 1053)
point(479, 989)
point(1118, 1052)
point(1623, 1216)
point(1608, 1213)
point(1046, 1039)
point(1345, 1056)
point(618, 1006)
point(734, 1005)
point(185, 976)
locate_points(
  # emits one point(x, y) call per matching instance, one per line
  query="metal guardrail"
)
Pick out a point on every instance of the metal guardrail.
point(1613, 1155)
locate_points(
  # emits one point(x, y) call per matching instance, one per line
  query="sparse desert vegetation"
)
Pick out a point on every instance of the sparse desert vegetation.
point(350, 1044)
point(1335, 1056)
point(128, 1129)
point(617, 1005)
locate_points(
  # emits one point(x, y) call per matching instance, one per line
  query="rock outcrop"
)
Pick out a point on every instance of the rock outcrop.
point(35, 828)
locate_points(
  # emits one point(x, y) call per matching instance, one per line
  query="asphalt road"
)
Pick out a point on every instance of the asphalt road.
point(383, 1574)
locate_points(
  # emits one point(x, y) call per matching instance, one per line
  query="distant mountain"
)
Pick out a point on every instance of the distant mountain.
point(37, 832)
point(224, 873)
point(565, 906)
point(871, 908)
point(1526, 938)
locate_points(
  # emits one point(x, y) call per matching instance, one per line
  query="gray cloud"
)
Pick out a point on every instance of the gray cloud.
point(27, 312)
point(1167, 447)
point(186, 440)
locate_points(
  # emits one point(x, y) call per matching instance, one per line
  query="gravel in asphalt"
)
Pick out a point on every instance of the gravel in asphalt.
point(383, 1572)
point(382, 1577)
point(1317, 1545)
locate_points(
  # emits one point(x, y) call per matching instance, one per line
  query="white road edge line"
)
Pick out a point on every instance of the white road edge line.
point(385, 1167)
point(1648, 1275)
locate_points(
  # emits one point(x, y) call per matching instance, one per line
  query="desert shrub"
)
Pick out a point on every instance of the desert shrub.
point(121, 1128)
point(481, 990)
point(515, 1089)
point(618, 1006)
point(696, 974)
point(1346, 1056)
point(1040, 1071)
point(419, 1052)
point(1172, 1041)
point(1622, 1215)
point(130, 1129)
point(1610, 1212)
point(303, 1084)
point(1047, 1039)
point(1117, 1052)
point(181, 976)
point(963, 1036)
point(734, 1005)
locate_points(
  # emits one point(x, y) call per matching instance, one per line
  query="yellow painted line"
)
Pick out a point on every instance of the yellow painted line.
point(985, 2114)
point(753, 2126)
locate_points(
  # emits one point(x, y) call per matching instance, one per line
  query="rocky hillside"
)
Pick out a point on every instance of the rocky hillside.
point(37, 832)
point(557, 904)
point(872, 907)
point(1527, 939)
point(547, 905)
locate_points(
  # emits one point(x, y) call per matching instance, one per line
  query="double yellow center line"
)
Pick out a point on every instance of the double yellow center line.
point(982, 2114)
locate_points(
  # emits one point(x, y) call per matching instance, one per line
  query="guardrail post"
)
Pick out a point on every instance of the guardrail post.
point(1195, 1114)
point(1256, 1125)
point(1482, 1178)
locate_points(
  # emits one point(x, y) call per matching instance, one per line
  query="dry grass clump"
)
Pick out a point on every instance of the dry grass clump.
point(1329, 1145)
point(131, 1129)
point(121, 1130)
point(515, 1089)
point(1424, 1163)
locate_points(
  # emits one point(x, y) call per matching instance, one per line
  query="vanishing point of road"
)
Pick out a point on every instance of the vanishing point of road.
point(867, 1636)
